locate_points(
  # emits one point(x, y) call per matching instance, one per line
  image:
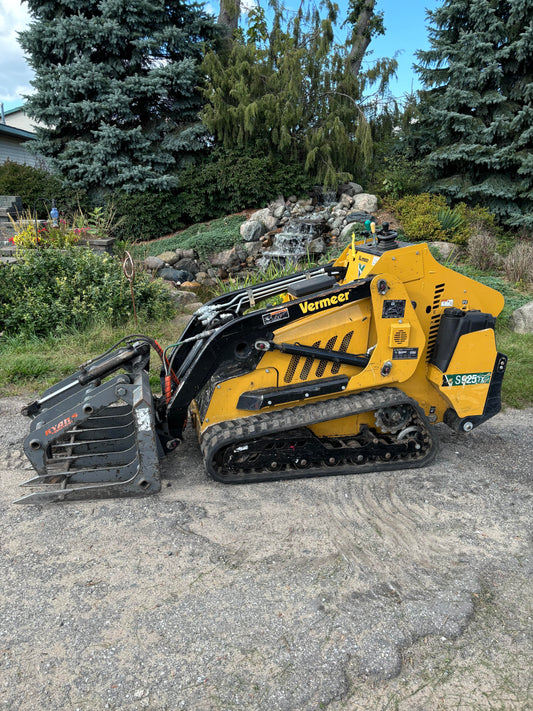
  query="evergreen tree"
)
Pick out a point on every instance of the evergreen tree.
point(479, 104)
point(116, 89)
point(290, 90)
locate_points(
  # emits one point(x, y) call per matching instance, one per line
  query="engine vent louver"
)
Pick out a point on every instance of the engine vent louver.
point(323, 363)
point(344, 347)
point(439, 290)
point(291, 370)
point(322, 367)
point(309, 363)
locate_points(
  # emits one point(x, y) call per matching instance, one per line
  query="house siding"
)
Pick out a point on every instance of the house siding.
point(19, 119)
point(14, 150)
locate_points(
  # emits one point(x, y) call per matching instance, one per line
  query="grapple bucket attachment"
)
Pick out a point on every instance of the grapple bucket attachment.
point(97, 441)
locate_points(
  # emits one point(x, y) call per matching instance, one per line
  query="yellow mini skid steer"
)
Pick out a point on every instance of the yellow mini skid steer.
point(346, 375)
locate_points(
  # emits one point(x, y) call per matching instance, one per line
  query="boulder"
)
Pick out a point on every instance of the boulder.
point(260, 215)
point(346, 232)
point(358, 217)
point(277, 207)
point(252, 249)
point(227, 259)
point(445, 250)
point(186, 253)
point(317, 246)
point(182, 297)
point(350, 189)
point(190, 285)
point(154, 263)
point(251, 230)
point(169, 257)
point(176, 275)
point(365, 202)
point(522, 319)
point(188, 265)
point(346, 200)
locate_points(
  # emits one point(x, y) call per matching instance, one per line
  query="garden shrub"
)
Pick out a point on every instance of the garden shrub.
point(418, 216)
point(32, 184)
point(518, 264)
point(224, 182)
point(396, 176)
point(427, 217)
point(51, 292)
point(145, 216)
point(482, 250)
point(228, 181)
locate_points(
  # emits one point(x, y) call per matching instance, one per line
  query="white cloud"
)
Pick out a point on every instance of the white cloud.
point(15, 74)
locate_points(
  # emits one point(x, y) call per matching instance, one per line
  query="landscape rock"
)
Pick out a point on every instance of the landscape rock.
point(358, 217)
point(347, 230)
point(522, 319)
point(271, 223)
point(193, 306)
point(346, 200)
point(227, 259)
point(186, 253)
point(253, 248)
point(365, 202)
point(317, 246)
point(446, 250)
point(350, 189)
point(190, 285)
point(169, 257)
point(188, 265)
point(260, 215)
point(224, 259)
point(277, 207)
point(154, 263)
point(176, 275)
point(182, 298)
point(251, 230)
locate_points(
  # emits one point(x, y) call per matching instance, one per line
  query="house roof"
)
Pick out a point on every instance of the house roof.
point(13, 110)
point(16, 132)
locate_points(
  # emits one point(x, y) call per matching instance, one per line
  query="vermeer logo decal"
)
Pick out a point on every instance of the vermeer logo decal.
point(327, 303)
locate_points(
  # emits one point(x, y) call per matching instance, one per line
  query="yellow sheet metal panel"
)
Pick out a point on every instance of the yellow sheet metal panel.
point(223, 403)
point(466, 382)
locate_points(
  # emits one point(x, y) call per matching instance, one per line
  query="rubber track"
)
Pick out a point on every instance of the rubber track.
point(251, 428)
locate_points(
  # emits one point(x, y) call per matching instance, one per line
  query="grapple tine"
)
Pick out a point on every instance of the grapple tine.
point(138, 485)
point(70, 449)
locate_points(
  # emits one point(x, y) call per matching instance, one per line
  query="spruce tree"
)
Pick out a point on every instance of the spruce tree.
point(479, 105)
point(116, 89)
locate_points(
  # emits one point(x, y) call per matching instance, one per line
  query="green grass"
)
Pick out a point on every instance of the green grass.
point(207, 238)
point(517, 388)
point(32, 365)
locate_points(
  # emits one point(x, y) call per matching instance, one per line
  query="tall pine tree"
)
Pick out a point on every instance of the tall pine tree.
point(116, 89)
point(479, 104)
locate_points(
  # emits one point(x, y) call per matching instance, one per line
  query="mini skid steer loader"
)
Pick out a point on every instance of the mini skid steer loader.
point(346, 375)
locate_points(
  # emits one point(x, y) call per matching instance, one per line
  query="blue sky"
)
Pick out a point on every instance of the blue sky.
point(405, 22)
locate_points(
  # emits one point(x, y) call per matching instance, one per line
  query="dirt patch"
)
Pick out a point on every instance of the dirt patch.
point(405, 590)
